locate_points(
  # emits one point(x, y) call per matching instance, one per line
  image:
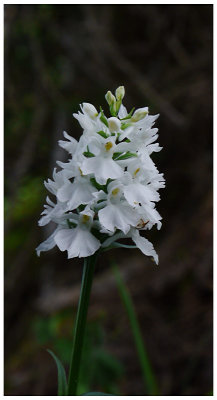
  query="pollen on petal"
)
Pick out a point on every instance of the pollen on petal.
point(136, 171)
point(108, 146)
point(115, 191)
point(85, 218)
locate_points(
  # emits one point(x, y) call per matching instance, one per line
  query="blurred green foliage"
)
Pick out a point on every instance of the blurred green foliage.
point(27, 200)
point(99, 368)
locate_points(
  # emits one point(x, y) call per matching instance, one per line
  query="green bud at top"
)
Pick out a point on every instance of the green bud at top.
point(119, 93)
point(139, 114)
point(111, 100)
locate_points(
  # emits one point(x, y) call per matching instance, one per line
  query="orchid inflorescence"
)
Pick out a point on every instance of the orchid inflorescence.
point(108, 188)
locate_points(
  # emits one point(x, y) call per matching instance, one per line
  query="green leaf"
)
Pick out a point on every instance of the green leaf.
point(96, 394)
point(62, 382)
point(103, 118)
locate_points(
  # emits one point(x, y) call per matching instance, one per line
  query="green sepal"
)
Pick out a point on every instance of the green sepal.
point(125, 125)
point(128, 115)
point(81, 207)
point(62, 382)
point(118, 104)
point(88, 154)
point(103, 134)
point(113, 110)
point(96, 394)
point(99, 235)
point(97, 185)
point(71, 224)
point(103, 118)
point(116, 245)
point(128, 154)
point(116, 155)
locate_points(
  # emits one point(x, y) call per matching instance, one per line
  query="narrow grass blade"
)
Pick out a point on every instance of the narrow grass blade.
point(148, 375)
point(62, 382)
point(96, 394)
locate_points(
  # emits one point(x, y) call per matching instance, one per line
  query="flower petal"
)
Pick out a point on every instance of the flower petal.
point(78, 242)
point(103, 168)
point(81, 194)
point(144, 245)
point(136, 193)
point(118, 216)
point(69, 146)
point(122, 113)
point(64, 193)
point(48, 244)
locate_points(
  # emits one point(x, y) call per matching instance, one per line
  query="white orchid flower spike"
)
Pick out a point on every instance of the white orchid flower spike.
point(108, 188)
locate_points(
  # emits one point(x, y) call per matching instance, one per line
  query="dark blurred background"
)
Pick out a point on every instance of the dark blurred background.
point(55, 58)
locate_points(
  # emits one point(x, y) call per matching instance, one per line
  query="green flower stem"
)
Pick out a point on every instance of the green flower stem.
point(87, 278)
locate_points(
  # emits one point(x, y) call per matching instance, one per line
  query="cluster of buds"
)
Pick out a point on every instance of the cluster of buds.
point(108, 188)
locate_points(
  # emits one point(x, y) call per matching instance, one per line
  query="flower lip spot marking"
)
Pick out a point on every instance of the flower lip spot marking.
point(108, 146)
point(80, 171)
point(136, 171)
point(141, 224)
point(85, 218)
point(115, 191)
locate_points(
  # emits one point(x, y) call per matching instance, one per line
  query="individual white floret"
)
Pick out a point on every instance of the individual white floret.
point(76, 193)
point(70, 145)
point(52, 212)
point(102, 164)
point(117, 214)
point(78, 241)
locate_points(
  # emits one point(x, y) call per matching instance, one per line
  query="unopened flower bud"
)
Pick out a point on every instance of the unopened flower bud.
point(114, 124)
point(90, 110)
point(139, 114)
point(110, 98)
point(120, 92)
